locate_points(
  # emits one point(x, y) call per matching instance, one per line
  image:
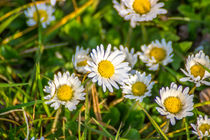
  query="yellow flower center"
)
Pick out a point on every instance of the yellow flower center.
point(82, 63)
point(173, 104)
point(106, 68)
point(142, 6)
point(158, 53)
point(64, 93)
point(204, 127)
point(42, 14)
point(197, 70)
point(139, 89)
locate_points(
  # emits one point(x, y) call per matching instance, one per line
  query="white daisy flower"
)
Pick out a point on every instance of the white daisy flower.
point(139, 10)
point(107, 68)
point(80, 59)
point(131, 57)
point(156, 53)
point(195, 72)
point(65, 90)
point(175, 103)
point(138, 86)
point(202, 129)
point(45, 14)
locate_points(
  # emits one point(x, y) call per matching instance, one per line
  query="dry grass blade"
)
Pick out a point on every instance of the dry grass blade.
point(18, 35)
point(96, 103)
point(8, 120)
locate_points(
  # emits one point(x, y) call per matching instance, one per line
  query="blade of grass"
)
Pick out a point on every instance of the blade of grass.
point(154, 123)
point(6, 23)
point(202, 104)
point(5, 85)
point(117, 137)
point(21, 105)
point(97, 131)
point(104, 129)
point(8, 120)
point(18, 35)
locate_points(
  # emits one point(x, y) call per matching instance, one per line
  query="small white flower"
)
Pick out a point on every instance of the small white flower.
point(202, 129)
point(156, 53)
point(45, 14)
point(175, 103)
point(80, 59)
point(138, 86)
point(107, 68)
point(195, 72)
point(139, 10)
point(65, 90)
point(131, 57)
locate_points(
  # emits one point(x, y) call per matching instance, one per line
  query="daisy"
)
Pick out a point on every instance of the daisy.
point(157, 53)
point(138, 86)
point(202, 129)
point(175, 102)
point(195, 72)
point(107, 68)
point(45, 14)
point(80, 59)
point(66, 90)
point(131, 57)
point(139, 10)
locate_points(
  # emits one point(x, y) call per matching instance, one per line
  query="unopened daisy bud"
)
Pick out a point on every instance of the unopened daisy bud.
point(195, 72)
point(139, 10)
point(138, 86)
point(202, 128)
point(53, 2)
point(107, 68)
point(66, 90)
point(130, 57)
point(157, 53)
point(80, 59)
point(175, 102)
point(45, 14)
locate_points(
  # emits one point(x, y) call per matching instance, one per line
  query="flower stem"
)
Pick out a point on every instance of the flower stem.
point(187, 130)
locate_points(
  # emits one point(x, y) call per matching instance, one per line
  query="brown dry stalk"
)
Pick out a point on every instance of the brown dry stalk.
point(96, 103)
point(53, 129)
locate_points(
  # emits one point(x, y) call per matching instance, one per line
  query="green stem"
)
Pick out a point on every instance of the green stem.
point(38, 58)
point(144, 33)
point(187, 129)
point(86, 115)
point(128, 40)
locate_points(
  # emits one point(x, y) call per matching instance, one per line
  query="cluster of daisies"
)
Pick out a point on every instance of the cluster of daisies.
point(113, 67)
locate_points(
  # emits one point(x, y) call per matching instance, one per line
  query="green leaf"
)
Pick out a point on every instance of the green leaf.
point(185, 46)
point(3, 85)
point(113, 115)
point(4, 25)
point(186, 10)
point(132, 134)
